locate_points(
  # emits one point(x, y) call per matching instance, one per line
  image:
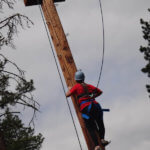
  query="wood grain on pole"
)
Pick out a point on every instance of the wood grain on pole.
point(64, 56)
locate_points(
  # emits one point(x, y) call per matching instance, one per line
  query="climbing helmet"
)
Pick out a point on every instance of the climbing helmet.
point(79, 76)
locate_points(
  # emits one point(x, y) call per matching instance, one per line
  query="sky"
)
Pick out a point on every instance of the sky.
point(122, 82)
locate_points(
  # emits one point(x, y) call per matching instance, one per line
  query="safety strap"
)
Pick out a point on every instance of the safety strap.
point(84, 95)
point(85, 88)
point(86, 91)
point(88, 100)
point(86, 116)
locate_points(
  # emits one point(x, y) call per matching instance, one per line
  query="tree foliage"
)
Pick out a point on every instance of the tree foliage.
point(146, 49)
point(15, 90)
point(9, 25)
point(18, 137)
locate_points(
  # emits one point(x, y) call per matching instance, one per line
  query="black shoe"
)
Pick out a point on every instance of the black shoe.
point(104, 142)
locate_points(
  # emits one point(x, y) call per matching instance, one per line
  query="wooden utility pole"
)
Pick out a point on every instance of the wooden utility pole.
point(64, 55)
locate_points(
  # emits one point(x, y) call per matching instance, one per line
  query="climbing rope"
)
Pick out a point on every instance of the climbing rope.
point(101, 68)
point(60, 77)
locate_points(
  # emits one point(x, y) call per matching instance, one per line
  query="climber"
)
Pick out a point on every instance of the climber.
point(91, 110)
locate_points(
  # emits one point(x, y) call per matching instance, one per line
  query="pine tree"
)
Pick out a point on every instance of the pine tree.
point(18, 137)
point(15, 90)
point(146, 49)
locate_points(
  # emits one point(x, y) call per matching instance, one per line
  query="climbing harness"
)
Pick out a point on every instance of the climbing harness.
point(87, 114)
point(89, 95)
point(86, 92)
point(86, 101)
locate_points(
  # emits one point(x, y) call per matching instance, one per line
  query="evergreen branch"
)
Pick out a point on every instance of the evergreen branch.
point(9, 113)
point(14, 64)
point(10, 25)
point(27, 104)
point(9, 3)
point(14, 19)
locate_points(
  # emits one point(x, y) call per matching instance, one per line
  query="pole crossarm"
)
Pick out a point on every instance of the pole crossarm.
point(32, 2)
point(38, 2)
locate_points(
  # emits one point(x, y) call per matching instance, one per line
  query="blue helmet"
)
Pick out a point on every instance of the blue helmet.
point(79, 76)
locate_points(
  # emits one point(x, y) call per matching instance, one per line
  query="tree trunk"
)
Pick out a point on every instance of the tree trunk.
point(2, 145)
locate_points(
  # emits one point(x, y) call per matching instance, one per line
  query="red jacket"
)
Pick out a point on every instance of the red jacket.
point(78, 90)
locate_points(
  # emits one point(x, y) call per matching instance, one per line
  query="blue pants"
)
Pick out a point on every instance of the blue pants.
point(94, 121)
